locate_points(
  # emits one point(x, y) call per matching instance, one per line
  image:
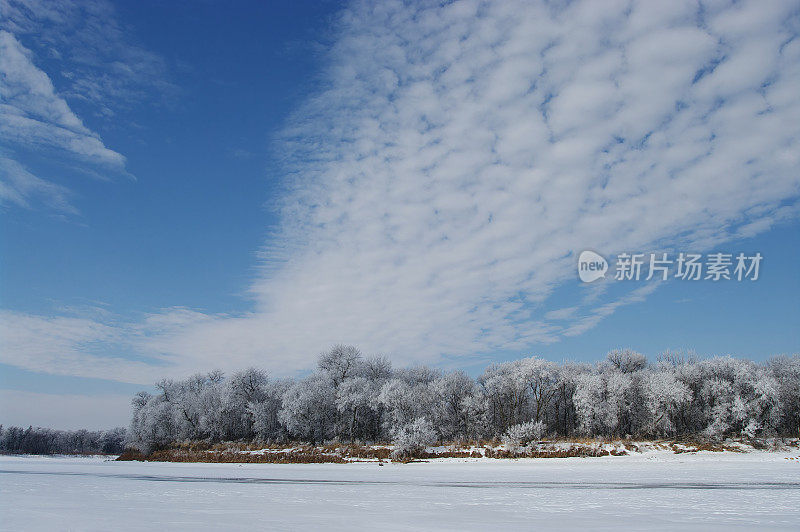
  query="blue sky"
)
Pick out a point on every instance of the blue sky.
point(191, 185)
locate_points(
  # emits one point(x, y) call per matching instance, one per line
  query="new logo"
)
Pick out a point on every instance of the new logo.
point(591, 266)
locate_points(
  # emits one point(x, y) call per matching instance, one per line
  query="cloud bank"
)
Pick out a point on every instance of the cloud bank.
point(65, 411)
point(458, 157)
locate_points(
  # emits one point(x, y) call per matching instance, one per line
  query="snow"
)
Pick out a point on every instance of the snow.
point(654, 490)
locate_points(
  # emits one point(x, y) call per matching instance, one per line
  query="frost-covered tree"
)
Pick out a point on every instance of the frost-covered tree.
point(662, 395)
point(308, 411)
point(399, 399)
point(522, 434)
point(506, 395)
point(339, 363)
point(541, 379)
point(412, 438)
point(242, 390)
point(38, 440)
point(418, 375)
point(626, 360)
point(353, 401)
point(459, 409)
point(355, 398)
point(737, 397)
point(376, 368)
point(563, 405)
point(378, 371)
point(602, 402)
point(152, 425)
point(786, 372)
point(188, 409)
point(266, 423)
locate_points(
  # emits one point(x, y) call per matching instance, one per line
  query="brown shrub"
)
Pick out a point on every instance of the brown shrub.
point(455, 454)
point(284, 457)
point(692, 446)
point(131, 455)
point(569, 452)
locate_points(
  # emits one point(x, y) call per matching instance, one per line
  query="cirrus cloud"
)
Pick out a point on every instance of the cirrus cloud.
point(82, 47)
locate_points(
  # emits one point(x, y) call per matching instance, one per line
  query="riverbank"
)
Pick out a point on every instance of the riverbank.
point(241, 452)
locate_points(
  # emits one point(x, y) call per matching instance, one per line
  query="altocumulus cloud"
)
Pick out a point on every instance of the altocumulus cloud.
point(459, 156)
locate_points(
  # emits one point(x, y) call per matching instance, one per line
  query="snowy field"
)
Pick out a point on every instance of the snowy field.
point(655, 490)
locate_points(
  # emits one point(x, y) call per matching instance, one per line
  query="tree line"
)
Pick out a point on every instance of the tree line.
point(352, 398)
point(38, 440)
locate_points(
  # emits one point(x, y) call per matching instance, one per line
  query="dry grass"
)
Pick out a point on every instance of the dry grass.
point(453, 453)
point(695, 444)
point(568, 452)
point(362, 452)
point(308, 455)
point(249, 452)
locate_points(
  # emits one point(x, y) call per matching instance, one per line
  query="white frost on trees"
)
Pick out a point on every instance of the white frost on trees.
point(412, 439)
point(522, 434)
point(352, 398)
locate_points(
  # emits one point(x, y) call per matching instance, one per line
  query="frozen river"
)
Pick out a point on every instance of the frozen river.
point(656, 491)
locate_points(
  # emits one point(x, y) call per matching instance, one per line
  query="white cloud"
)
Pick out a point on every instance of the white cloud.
point(88, 53)
point(67, 345)
point(461, 155)
point(594, 317)
point(561, 313)
point(22, 188)
point(33, 114)
point(92, 49)
point(64, 411)
point(29, 90)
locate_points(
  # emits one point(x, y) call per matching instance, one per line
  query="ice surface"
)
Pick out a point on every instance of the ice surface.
point(655, 490)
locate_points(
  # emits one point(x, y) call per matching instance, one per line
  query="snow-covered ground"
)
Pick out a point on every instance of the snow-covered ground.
point(653, 490)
